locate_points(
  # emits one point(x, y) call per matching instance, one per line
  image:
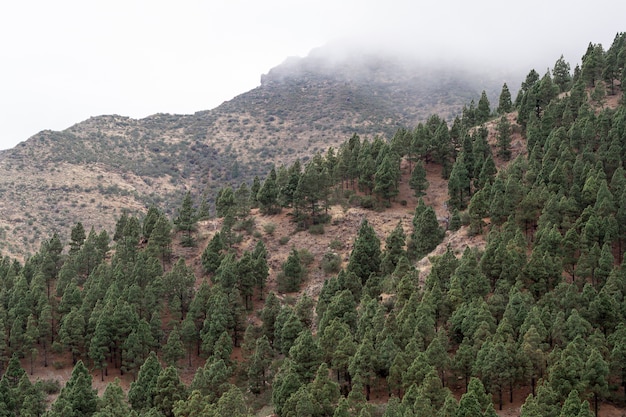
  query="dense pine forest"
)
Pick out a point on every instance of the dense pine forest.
point(539, 312)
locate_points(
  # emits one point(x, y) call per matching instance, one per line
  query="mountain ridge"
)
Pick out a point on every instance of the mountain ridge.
point(111, 163)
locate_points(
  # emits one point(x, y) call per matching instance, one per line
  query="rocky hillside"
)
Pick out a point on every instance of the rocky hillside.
point(102, 165)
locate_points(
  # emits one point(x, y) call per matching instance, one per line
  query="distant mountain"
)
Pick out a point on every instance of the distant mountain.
point(101, 166)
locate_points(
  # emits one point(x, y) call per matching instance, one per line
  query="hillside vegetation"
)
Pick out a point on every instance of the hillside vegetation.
point(455, 269)
point(96, 168)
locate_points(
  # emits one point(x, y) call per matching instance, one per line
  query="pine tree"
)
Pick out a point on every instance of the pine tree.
point(173, 350)
point(504, 103)
point(168, 390)
point(186, 220)
point(225, 202)
point(561, 74)
point(150, 220)
point(595, 376)
point(267, 197)
point(178, 285)
point(504, 138)
point(418, 182)
point(483, 111)
point(113, 402)
point(394, 249)
point(459, 185)
point(306, 355)
point(77, 395)
point(427, 233)
point(387, 177)
point(160, 241)
point(212, 255)
point(365, 257)
point(77, 238)
point(259, 365)
point(141, 392)
point(292, 273)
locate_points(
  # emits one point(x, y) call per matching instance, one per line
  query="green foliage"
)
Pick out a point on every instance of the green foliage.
point(504, 104)
point(292, 273)
point(186, 220)
point(365, 257)
point(427, 233)
point(331, 263)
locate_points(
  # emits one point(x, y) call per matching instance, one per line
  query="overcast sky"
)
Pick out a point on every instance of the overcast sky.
point(64, 61)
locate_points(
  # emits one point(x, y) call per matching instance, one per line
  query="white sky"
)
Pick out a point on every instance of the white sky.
point(63, 61)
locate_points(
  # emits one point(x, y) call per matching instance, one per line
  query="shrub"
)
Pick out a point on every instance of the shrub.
point(246, 224)
point(269, 228)
point(50, 386)
point(316, 229)
point(331, 263)
point(368, 202)
point(336, 244)
point(306, 257)
point(283, 240)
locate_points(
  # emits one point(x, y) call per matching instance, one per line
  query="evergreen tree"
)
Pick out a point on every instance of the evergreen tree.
point(504, 104)
point(292, 273)
point(160, 240)
point(504, 138)
point(595, 376)
point(173, 350)
point(225, 202)
point(365, 257)
point(186, 220)
point(561, 74)
point(267, 197)
point(77, 238)
point(306, 355)
point(260, 362)
point(212, 255)
point(113, 402)
point(394, 249)
point(387, 177)
point(483, 111)
point(77, 397)
point(418, 182)
point(150, 220)
point(427, 233)
point(178, 286)
point(459, 185)
point(168, 390)
point(141, 392)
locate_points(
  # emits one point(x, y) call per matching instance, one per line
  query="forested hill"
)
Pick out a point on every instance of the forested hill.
point(97, 167)
point(307, 292)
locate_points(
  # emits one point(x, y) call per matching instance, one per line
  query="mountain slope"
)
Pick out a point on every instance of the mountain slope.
point(105, 164)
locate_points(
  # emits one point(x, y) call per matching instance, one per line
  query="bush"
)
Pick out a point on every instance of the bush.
point(269, 228)
point(465, 218)
point(306, 257)
point(247, 225)
point(336, 244)
point(283, 240)
point(50, 386)
point(331, 263)
point(316, 229)
point(354, 200)
point(368, 202)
